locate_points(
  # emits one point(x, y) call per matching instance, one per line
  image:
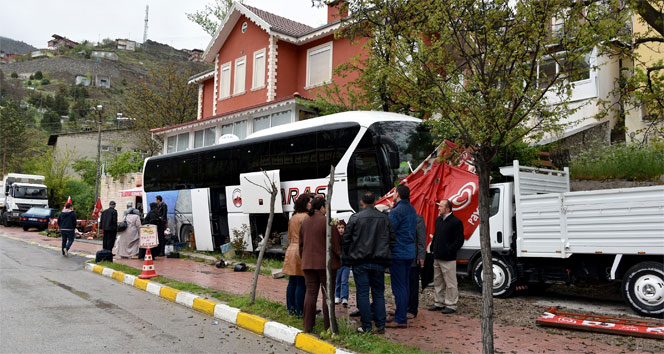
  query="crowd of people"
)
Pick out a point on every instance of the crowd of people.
point(370, 243)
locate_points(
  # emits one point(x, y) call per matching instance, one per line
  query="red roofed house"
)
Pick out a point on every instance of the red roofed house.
point(262, 62)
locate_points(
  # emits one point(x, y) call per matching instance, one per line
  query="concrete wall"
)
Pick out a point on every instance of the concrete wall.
point(109, 189)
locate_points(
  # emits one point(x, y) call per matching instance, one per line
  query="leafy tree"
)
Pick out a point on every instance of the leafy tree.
point(82, 196)
point(210, 18)
point(13, 134)
point(38, 75)
point(127, 162)
point(51, 122)
point(87, 169)
point(473, 66)
point(45, 81)
point(60, 104)
point(14, 75)
point(55, 170)
point(164, 98)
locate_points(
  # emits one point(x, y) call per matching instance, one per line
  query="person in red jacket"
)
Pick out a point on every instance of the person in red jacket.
point(312, 252)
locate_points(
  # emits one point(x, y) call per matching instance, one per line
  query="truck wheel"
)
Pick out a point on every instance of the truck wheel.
point(643, 288)
point(504, 277)
point(185, 235)
point(25, 228)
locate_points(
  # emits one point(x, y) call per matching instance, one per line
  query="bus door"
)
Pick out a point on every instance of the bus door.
point(200, 202)
point(238, 222)
point(219, 216)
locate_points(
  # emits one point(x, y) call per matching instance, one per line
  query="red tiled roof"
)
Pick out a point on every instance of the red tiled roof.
point(159, 130)
point(281, 24)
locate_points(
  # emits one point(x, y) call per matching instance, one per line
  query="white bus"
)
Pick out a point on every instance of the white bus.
point(370, 152)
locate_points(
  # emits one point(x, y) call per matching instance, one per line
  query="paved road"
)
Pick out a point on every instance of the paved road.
point(49, 304)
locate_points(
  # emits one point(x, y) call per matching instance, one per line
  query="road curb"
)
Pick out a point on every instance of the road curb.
point(270, 329)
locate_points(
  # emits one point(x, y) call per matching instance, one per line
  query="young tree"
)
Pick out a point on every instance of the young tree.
point(127, 162)
point(162, 99)
point(210, 17)
point(473, 65)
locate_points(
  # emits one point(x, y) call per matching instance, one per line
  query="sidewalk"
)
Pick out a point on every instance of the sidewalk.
point(430, 331)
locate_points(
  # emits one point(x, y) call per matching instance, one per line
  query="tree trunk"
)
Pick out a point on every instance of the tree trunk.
point(328, 256)
point(4, 155)
point(483, 169)
point(266, 239)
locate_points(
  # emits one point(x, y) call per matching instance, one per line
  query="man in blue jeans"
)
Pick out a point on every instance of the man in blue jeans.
point(404, 222)
point(366, 246)
point(67, 225)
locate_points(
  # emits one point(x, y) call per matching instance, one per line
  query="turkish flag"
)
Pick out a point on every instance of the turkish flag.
point(68, 202)
point(436, 180)
point(97, 209)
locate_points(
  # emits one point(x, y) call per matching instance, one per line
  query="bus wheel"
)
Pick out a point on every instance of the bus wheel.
point(504, 277)
point(643, 288)
point(185, 235)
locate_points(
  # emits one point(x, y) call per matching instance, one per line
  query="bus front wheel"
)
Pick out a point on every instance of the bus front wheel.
point(186, 236)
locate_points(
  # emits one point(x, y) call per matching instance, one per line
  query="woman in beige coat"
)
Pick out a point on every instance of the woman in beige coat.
point(128, 243)
point(292, 261)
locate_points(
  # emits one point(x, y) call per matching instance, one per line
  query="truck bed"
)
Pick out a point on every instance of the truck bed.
point(556, 223)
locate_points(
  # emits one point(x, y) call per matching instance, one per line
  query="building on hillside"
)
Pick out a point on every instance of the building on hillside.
point(126, 44)
point(126, 188)
point(82, 80)
point(247, 91)
point(102, 54)
point(103, 81)
point(61, 42)
point(638, 118)
point(40, 53)
point(83, 145)
point(195, 55)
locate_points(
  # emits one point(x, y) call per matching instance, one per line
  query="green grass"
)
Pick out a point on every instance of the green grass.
point(347, 337)
point(620, 162)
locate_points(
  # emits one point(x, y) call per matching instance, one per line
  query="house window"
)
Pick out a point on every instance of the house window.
point(227, 129)
point(573, 71)
point(209, 136)
point(258, 76)
point(280, 118)
point(225, 82)
point(183, 141)
point(261, 123)
point(240, 129)
point(171, 143)
point(198, 138)
point(319, 64)
point(240, 77)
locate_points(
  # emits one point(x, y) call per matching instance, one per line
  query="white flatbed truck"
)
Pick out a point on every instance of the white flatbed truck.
point(21, 192)
point(543, 233)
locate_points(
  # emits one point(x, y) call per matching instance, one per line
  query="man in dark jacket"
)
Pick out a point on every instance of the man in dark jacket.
point(161, 226)
point(367, 247)
point(67, 225)
point(447, 240)
point(109, 223)
point(404, 222)
point(414, 279)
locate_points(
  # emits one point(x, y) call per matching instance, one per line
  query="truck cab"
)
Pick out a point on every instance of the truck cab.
point(21, 192)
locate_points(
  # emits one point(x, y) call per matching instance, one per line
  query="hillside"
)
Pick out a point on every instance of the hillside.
point(11, 46)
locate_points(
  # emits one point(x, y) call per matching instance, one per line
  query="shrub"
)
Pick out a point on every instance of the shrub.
point(39, 75)
point(45, 82)
point(32, 77)
point(14, 75)
point(620, 162)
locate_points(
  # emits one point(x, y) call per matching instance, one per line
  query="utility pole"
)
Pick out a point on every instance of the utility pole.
point(145, 29)
point(100, 108)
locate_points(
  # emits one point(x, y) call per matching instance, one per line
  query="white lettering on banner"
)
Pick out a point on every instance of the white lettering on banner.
point(566, 320)
point(475, 217)
point(658, 330)
point(597, 323)
point(463, 197)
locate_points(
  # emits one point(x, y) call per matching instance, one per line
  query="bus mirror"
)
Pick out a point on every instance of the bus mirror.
point(394, 160)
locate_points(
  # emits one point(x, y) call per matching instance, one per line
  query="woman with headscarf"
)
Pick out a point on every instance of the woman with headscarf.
point(128, 243)
point(312, 251)
point(292, 261)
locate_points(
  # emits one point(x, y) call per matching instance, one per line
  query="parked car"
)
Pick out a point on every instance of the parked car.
point(36, 217)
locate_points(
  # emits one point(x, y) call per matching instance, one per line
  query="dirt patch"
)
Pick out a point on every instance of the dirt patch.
point(588, 185)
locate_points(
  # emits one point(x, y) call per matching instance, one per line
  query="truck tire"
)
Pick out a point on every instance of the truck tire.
point(25, 228)
point(643, 288)
point(504, 277)
point(185, 235)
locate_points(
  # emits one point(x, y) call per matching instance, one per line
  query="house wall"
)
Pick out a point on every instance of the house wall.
point(208, 97)
point(109, 189)
point(288, 64)
point(236, 46)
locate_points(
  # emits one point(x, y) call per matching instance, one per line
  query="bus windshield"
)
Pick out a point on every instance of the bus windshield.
point(414, 141)
point(30, 192)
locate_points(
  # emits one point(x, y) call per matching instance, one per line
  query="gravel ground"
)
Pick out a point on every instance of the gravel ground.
point(523, 308)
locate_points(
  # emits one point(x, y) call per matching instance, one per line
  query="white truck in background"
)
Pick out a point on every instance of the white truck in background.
point(21, 192)
point(541, 233)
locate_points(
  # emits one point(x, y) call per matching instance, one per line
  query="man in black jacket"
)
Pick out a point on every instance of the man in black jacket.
point(447, 240)
point(109, 223)
point(67, 226)
point(161, 226)
point(366, 246)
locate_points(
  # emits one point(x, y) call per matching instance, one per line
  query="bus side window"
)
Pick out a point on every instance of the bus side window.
point(363, 172)
point(288, 155)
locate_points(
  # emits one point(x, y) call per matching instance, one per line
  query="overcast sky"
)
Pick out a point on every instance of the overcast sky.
point(34, 21)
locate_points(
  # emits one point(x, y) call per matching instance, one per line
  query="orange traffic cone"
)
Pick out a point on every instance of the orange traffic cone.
point(148, 266)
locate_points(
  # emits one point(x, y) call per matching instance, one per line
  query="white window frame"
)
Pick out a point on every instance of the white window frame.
point(236, 78)
point(316, 50)
point(222, 82)
point(255, 74)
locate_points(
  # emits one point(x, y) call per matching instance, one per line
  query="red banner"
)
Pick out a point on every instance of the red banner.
point(97, 209)
point(609, 325)
point(434, 181)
